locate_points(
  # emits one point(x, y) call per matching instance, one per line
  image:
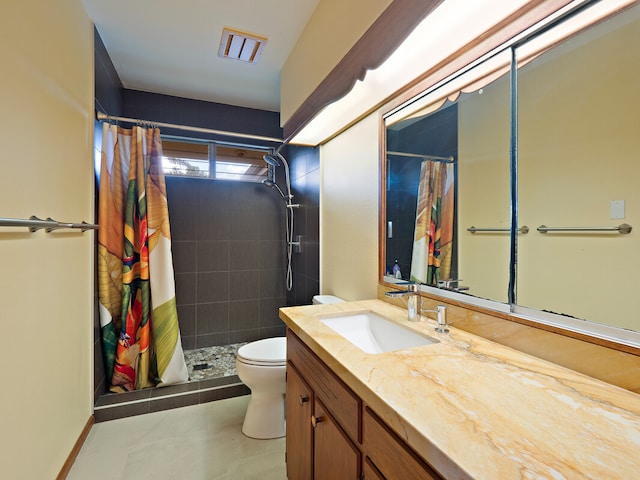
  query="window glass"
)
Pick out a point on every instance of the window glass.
point(212, 160)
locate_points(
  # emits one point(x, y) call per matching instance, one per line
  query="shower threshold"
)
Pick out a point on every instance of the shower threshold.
point(212, 376)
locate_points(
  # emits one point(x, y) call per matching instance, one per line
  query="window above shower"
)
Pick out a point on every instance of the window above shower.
point(214, 160)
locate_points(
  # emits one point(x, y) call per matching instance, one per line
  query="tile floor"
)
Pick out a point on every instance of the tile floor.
point(198, 442)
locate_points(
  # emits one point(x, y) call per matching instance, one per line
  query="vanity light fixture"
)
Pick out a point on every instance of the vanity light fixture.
point(237, 45)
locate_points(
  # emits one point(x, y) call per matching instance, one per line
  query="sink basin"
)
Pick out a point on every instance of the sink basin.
point(375, 334)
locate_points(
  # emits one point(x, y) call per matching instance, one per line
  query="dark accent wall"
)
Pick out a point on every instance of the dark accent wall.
point(197, 113)
point(305, 181)
point(108, 87)
point(228, 255)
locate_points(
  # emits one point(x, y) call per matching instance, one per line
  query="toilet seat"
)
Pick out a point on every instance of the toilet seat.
point(268, 352)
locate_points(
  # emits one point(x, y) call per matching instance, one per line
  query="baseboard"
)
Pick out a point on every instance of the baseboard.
point(66, 468)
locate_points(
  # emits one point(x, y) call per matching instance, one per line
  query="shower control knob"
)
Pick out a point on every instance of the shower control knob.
point(302, 399)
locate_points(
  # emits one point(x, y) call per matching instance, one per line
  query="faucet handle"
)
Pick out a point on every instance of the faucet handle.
point(442, 319)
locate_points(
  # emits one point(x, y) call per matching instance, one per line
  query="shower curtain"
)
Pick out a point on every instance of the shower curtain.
point(433, 235)
point(138, 317)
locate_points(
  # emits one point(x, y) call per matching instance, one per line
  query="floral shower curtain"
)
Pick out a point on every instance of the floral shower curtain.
point(433, 237)
point(138, 317)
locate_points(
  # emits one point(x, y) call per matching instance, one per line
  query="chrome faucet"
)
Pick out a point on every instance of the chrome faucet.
point(441, 310)
point(413, 301)
point(452, 284)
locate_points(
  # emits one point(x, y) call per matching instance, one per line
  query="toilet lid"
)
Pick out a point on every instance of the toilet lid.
point(267, 351)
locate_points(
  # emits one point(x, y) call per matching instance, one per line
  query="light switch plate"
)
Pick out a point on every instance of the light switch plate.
point(616, 208)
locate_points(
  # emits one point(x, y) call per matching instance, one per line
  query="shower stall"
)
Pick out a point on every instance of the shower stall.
point(229, 244)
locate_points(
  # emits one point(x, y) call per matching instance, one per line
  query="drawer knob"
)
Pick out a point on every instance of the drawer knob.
point(315, 420)
point(302, 399)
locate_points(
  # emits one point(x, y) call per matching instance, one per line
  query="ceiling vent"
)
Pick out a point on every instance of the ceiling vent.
point(242, 46)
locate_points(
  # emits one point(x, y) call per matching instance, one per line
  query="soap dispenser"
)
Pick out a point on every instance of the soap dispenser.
point(396, 270)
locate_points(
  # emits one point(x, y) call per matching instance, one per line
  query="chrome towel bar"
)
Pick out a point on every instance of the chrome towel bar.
point(34, 224)
point(622, 228)
point(523, 229)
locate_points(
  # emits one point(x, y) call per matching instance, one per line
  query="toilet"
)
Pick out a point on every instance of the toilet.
point(325, 299)
point(261, 366)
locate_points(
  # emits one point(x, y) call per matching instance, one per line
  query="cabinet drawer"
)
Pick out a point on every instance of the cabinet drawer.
point(338, 399)
point(390, 454)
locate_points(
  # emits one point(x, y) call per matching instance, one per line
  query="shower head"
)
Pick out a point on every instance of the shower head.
point(275, 160)
point(271, 160)
point(272, 184)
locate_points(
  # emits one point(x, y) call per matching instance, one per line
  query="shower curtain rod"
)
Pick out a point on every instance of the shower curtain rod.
point(103, 116)
point(433, 158)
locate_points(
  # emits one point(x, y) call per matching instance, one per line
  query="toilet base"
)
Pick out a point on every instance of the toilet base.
point(265, 416)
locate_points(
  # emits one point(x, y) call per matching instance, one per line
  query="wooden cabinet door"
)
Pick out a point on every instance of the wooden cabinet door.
point(335, 456)
point(393, 459)
point(299, 440)
point(371, 472)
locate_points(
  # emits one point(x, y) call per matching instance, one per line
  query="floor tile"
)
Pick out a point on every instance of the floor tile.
point(197, 442)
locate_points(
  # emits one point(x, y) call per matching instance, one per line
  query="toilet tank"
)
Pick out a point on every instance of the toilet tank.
point(326, 299)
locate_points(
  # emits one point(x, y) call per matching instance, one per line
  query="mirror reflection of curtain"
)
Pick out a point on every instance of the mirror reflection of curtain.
point(138, 315)
point(433, 237)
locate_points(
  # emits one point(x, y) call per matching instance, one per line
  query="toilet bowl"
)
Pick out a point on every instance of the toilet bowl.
point(261, 366)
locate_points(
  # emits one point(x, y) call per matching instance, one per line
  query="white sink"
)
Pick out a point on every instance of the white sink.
point(375, 334)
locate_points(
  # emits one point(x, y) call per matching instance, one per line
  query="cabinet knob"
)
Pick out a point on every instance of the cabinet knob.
point(302, 399)
point(315, 420)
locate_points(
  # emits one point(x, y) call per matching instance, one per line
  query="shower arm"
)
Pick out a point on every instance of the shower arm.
point(287, 178)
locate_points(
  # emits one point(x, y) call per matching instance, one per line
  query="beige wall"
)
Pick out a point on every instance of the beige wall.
point(349, 212)
point(333, 29)
point(46, 97)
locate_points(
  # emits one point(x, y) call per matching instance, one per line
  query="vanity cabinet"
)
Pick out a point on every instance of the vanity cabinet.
point(331, 435)
point(323, 420)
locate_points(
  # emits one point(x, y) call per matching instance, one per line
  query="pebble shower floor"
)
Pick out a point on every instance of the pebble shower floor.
point(212, 362)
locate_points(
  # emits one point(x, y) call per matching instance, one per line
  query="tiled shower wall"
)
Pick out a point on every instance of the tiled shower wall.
point(228, 249)
point(305, 182)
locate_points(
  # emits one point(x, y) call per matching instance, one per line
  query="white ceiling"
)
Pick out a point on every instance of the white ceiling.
point(171, 46)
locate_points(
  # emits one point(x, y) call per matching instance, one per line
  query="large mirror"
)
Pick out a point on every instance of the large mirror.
point(578, 167)
point(517, 181)
point(448, 170)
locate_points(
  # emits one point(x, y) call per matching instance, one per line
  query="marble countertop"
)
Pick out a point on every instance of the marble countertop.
point(477, 409)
